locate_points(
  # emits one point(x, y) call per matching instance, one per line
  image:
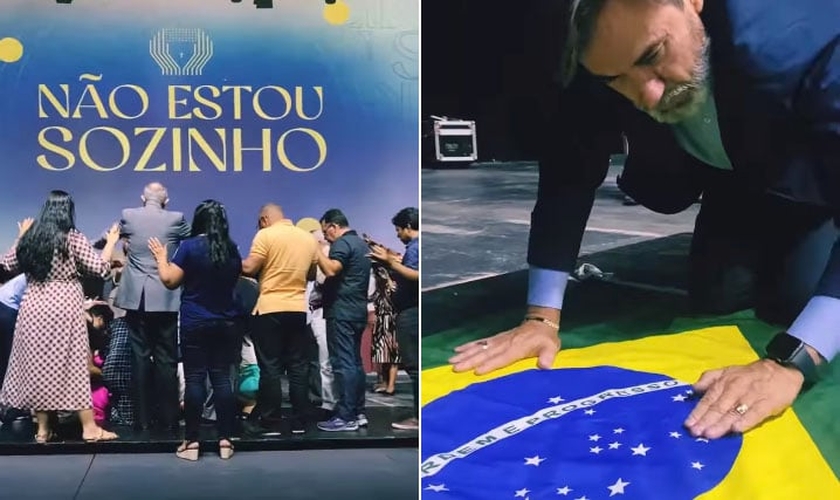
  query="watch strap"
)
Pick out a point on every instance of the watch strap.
point(798, 359)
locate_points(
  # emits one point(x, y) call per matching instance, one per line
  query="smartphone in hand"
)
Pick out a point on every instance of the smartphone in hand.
point(370, 241)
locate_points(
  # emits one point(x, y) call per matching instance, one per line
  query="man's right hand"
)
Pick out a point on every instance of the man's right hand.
point(529, 339)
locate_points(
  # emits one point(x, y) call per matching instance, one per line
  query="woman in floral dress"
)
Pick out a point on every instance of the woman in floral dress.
point(384, 338)
point(48, 367)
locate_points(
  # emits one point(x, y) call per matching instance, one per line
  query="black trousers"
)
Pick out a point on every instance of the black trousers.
point(154, 366)
point(281, 344)
point(8, 318)
point(752, 249)
point(408, 331)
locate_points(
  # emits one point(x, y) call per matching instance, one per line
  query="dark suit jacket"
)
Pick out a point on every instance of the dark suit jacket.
point(140, 276)
point(776, 69)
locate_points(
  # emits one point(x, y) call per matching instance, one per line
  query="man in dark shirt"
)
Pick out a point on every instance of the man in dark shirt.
point(406, 299)
point(347, 271)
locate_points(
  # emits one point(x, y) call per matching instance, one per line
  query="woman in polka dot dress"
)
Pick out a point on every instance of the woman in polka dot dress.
point(48, 367)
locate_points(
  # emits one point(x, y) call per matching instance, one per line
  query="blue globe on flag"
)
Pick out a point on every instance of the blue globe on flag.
point(577, 434)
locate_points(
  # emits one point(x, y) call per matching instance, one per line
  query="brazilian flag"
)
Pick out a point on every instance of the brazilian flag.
point(606, 421)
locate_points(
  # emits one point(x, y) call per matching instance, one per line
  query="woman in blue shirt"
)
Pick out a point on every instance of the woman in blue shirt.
point(208, 264)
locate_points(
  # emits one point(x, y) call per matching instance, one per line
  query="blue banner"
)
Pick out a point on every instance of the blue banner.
point(306, 104)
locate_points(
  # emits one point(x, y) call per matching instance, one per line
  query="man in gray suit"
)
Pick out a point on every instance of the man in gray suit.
point(151, 309)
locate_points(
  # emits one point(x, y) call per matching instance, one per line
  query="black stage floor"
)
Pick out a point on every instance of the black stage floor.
point(17, 438)
point(476, 221)
point(657, 265)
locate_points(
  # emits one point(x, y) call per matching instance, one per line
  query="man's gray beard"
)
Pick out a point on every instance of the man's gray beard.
point(683, 111)
point(697, 91)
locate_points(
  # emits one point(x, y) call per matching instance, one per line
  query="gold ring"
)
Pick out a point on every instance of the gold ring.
point(741, 409)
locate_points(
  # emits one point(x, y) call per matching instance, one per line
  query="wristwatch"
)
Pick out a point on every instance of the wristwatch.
point(790, 352)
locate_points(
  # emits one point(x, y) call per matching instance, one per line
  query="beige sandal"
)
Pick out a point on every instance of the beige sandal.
point(102, 436)
point(44, 438)
point(188, 451)
point(225, 449)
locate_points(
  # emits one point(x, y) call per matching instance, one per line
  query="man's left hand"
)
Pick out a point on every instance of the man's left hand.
point(384, 255)
point(738, 398)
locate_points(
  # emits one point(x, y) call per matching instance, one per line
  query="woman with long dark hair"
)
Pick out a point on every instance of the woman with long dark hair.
point(208, 264)
point(48, 369)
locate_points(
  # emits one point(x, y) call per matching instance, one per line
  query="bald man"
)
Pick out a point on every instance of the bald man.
point(151, 308)
point(283, 258)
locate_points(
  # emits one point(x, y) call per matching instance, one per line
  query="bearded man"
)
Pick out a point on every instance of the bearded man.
point(737, 100)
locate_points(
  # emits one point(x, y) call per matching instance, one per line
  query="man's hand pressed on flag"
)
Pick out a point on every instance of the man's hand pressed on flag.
point(738, 398)
point(530, 339)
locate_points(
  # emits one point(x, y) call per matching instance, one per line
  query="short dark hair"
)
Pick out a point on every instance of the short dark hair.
point(582, 19)
point(103, 311)
point(335, 216)
point(407, 218)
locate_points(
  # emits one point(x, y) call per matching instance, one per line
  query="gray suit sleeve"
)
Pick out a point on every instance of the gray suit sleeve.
point(184, 228)
point(125, 225)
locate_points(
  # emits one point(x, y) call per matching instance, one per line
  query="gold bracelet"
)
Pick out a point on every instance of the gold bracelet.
point(547, 321)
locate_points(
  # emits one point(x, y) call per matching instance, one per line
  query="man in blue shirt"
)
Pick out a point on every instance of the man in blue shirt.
point(732, 99)
point(406, 271)
point(11, 294)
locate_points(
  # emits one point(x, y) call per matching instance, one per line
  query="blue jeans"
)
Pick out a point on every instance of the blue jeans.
point(213, 349)
point(344, 341)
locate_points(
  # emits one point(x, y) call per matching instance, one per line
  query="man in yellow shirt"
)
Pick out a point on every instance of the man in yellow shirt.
point(283, 258)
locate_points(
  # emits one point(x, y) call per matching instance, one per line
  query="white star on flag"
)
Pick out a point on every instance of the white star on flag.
point(594, 437)
point(618, 487)
point(536, 460)
point(522, 493)
point(618, 431)
point(689, 391)
point(582, 498)
point(697, 465)
point(679, 397)
point(590, 412)
point(596, 450)
point(614, 445)
point(555, 400)
point(565, 490)
point(675, 434)
point(702, 440)
point(640, 450)
point(436, 487)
